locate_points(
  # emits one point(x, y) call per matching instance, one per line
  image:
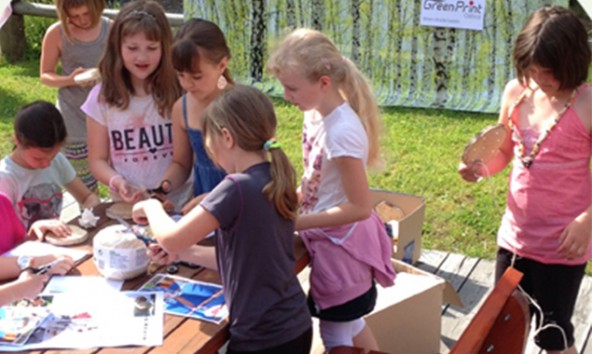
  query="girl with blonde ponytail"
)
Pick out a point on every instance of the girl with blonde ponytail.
point(349, 248)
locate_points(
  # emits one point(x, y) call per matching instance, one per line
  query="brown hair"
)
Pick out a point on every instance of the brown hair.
point(95, 7)
point(196, 38)
point(138, 16)
point(554, 38)
point(313, 54)
point(39, 124)
point(249, 117)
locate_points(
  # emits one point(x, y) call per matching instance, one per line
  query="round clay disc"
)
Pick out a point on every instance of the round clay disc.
point(121, 209)
point(78, 235)
point(485, 144)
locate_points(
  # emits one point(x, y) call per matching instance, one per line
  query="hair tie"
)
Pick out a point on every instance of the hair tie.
point(271, 144)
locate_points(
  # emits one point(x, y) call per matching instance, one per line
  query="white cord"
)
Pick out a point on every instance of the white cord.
point(542, 317)
point(488, 177)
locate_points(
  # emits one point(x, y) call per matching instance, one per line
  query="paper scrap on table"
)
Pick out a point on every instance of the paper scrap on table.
point(72, 283)
point(88, 219)
point(36, 248)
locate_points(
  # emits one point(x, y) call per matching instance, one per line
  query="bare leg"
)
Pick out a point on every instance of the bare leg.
point(365, 339)
point(570, 350)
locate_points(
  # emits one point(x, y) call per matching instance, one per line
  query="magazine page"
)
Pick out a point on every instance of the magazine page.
point(109, 319)
point(18, 321)
point(190, 298)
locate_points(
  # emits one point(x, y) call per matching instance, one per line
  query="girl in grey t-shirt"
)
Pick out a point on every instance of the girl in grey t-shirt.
point(253, 211)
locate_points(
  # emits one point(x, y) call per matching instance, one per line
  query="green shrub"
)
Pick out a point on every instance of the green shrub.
point(35, 28)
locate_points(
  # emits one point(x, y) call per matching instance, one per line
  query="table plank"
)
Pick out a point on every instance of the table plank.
point(582, 316)
point(473, 293)
point(431, 260)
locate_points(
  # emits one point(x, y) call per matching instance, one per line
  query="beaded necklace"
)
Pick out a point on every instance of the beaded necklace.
point(528, 160)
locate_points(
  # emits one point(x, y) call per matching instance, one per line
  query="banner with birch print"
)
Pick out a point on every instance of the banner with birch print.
point(408, 64)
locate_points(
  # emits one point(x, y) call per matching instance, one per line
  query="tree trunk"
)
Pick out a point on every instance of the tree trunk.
point(291, 14)
point(12, 38)
point(257, 39)
point(317, 11)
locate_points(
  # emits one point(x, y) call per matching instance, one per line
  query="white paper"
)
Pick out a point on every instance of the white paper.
point(81, 284)
point(37, 248)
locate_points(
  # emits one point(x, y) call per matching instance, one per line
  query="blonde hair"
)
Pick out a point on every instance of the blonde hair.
point(312, 54)
point(146, 17)
point(95, 7)
point(249, 117)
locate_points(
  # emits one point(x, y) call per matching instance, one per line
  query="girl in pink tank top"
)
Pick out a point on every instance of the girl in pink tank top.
point(547, 111)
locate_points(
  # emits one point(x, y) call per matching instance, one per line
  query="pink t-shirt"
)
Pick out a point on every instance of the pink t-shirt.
point(13, 230)
point(545, 198)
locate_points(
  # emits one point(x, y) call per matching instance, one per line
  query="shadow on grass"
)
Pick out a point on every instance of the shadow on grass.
point(11, 102)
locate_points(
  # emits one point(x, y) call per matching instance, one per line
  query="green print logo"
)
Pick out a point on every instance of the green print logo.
point(452, 6)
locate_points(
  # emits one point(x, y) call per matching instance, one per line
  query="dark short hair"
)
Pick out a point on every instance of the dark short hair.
point(554, 38)
point(196, 38)
point(39, 124)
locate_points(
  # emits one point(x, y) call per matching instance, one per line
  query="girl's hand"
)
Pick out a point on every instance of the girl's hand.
point(40, 227)
point(91, 201)
point(470, 173)
point(139, 210)
point(62, 266)
point(159, 256)
point(574, 240)
point(129, 193)
point(32, 284)
point(193, 203)
point(80, 70)
point(59, 264)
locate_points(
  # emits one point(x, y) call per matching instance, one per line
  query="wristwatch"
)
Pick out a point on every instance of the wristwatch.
point(23, 262)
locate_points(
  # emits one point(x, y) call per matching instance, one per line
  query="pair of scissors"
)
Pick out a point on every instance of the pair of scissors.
point(130, 228)
point(43, 269)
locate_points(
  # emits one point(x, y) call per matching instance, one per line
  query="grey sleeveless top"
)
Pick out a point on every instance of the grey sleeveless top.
point(79, 54)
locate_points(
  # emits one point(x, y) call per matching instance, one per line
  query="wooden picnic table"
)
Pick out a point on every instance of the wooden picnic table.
point(181, 334)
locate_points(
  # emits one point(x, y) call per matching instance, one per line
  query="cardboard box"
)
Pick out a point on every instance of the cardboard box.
point(408, 316)
point(407, 229)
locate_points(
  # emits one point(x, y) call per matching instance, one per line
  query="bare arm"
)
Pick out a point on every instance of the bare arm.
point(196, 254)
point(84, 196)
point(175, 237)
point(358, 205)
point(51, 52)
point(98, 151)
point(505, 154)
point(180, 168)
point(98, 163)
point(583, 105)
point(9, 268)
point(202, 255)
point(28, 285)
